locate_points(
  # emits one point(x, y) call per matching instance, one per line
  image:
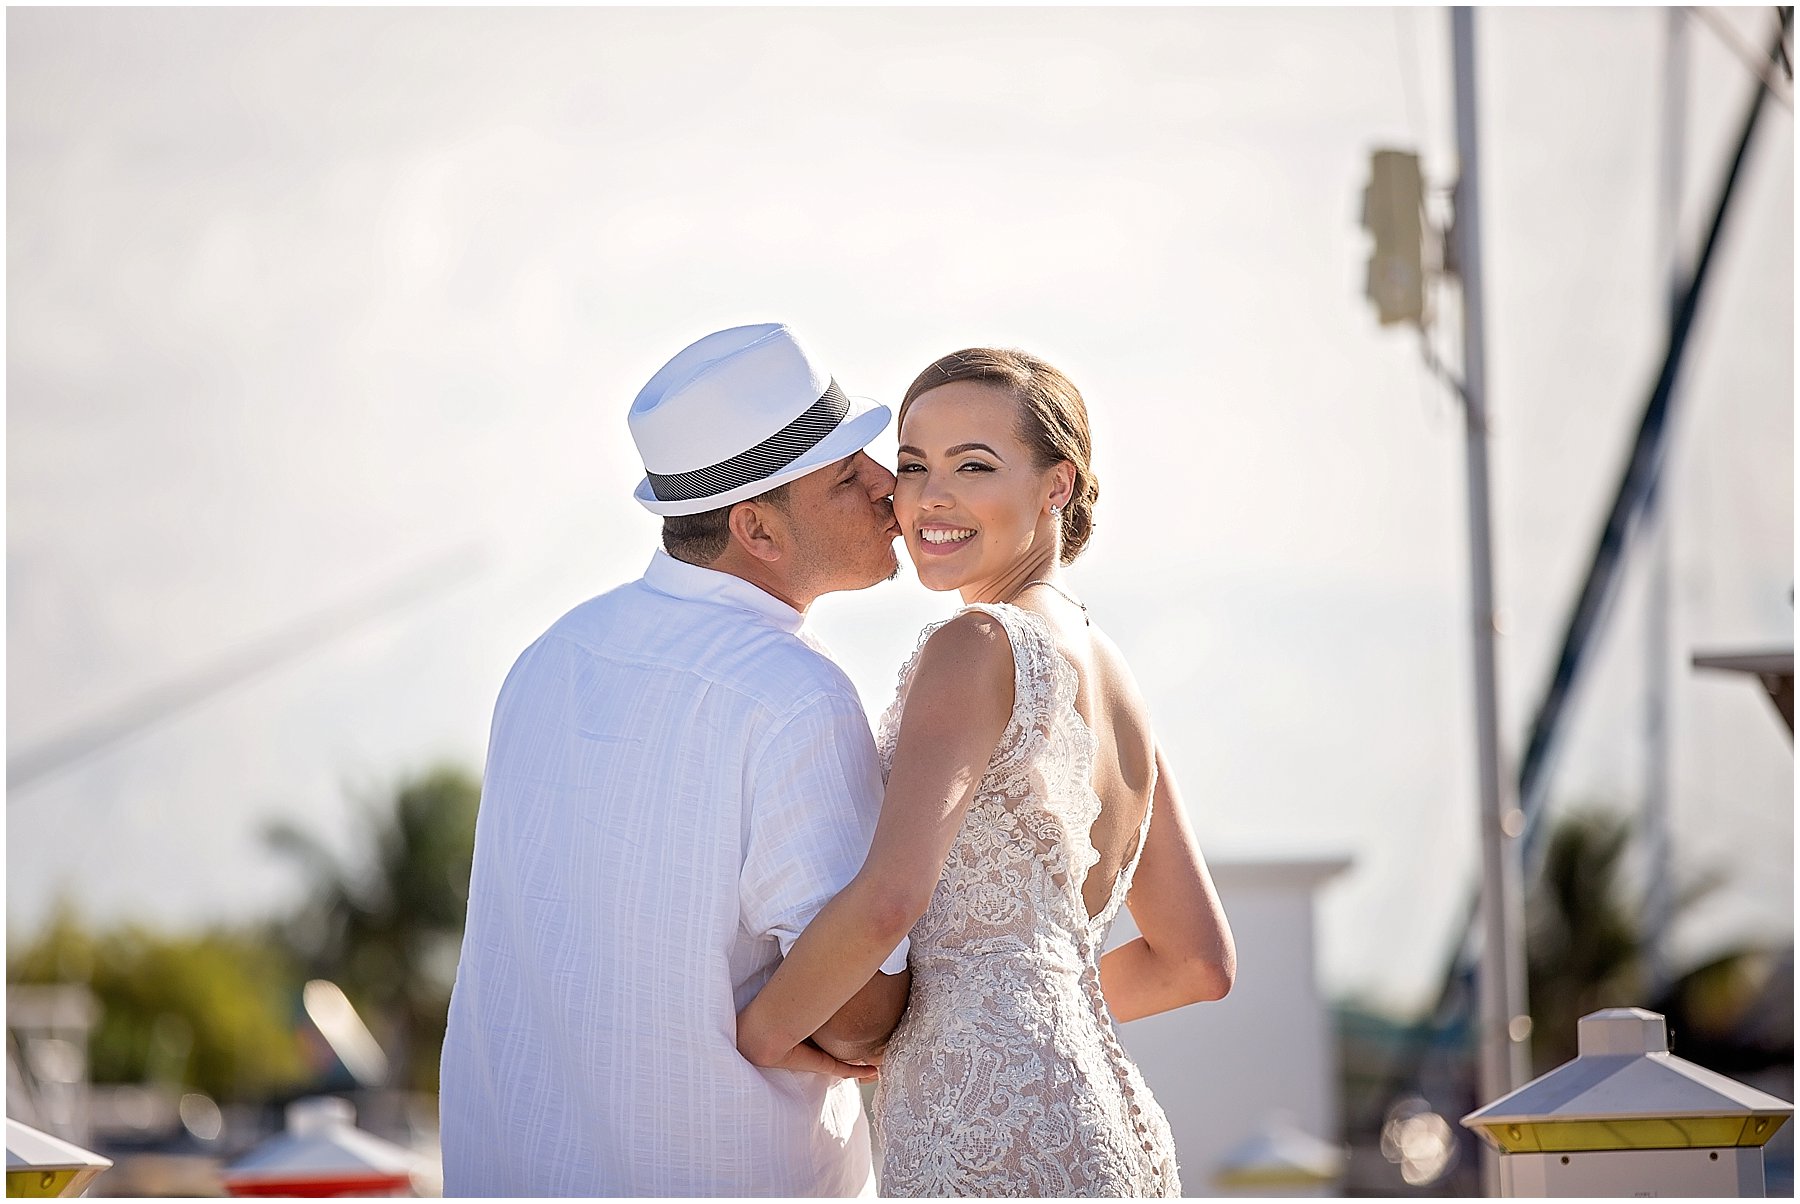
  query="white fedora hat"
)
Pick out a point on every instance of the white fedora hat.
point(738, 413)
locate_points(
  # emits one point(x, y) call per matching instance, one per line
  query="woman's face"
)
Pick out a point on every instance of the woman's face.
point(968, 494)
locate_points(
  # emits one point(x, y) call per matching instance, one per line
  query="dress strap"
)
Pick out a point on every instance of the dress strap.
point(1044, 682)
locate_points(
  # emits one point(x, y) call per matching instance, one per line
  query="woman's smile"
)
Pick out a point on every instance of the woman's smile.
point(937, 539)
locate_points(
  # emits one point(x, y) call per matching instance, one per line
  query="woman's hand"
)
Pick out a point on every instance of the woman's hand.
point(806, 1057)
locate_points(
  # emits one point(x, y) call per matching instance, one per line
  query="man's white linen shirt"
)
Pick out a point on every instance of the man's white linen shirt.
point(678, 779)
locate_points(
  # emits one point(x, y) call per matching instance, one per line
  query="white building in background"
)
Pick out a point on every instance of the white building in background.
point(1262, 1057)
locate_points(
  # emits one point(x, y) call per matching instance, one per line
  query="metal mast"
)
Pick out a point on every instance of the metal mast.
point(1658, 901)
point(1503, 1025)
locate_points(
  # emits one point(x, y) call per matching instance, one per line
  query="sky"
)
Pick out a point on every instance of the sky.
point(304, 302)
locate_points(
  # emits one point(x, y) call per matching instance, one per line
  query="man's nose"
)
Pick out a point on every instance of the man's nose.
point(881, 481)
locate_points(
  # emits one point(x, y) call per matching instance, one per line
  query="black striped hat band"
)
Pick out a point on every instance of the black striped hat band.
point(765, 459)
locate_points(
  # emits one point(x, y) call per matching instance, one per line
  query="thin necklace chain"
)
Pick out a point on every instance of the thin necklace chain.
point(1059, 589)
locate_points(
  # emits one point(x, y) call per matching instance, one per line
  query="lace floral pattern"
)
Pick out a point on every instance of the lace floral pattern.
point(1005, 1077)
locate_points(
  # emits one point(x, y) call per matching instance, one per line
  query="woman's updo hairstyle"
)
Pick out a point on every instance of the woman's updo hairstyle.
point(1052, 419)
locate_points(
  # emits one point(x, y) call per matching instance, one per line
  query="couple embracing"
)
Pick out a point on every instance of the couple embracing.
point(706, 901)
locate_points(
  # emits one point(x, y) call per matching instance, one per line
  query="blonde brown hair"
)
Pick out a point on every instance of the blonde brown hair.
point(1052, 419)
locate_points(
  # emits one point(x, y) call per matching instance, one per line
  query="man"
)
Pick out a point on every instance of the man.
point(678, 779)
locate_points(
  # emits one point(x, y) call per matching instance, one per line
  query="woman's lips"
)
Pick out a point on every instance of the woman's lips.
point(943, 541)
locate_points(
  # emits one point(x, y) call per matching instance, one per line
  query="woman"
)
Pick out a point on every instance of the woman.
point(1026, 795)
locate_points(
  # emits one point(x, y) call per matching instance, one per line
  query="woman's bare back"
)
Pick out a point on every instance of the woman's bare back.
point(1107, 699)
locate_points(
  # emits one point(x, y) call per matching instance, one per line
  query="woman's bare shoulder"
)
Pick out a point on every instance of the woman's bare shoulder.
point(970, 650)
point(963, 682)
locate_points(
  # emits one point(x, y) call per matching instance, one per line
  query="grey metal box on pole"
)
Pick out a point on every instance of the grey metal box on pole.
point(1393, 205)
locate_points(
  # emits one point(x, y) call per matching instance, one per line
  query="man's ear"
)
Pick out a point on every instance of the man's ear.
point(754, 529)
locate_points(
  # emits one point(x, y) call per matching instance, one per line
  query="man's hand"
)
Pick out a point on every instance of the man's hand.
point(805, 1056)
point(811, 1059)
point(859, 1031)
point(863, 1070)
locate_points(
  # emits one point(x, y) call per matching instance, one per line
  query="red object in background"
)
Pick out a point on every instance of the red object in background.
point(322, 1154)
point(371, 1185)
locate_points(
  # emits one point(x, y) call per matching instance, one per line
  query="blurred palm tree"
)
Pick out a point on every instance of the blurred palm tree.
point(202, 1011)
point(1585, 946)
point(386, 924)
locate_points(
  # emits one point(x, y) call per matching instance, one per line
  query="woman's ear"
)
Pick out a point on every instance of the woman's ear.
point(752, 528)
point(1062, 484)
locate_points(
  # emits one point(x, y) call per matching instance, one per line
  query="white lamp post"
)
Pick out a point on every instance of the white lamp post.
point(1628, 1118)
point(38, 1164)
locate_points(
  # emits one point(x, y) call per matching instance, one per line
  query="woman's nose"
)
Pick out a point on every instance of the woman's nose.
point(932, 493)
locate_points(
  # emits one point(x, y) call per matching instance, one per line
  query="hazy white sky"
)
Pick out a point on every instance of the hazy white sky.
point(302, 299)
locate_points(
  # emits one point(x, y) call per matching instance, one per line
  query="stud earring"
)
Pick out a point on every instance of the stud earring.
point(1055, 511)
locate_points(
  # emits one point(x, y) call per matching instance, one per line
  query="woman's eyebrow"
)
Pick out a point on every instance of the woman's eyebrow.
point(953, 451)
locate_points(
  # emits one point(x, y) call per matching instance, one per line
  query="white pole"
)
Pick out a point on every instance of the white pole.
point(1659, 896)
point(1504, 1027)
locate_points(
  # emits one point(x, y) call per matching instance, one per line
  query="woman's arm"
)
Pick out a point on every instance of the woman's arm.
point(956, 711)
point(1185, 954)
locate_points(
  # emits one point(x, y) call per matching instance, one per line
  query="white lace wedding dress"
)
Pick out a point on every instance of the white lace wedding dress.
point(1005, 1077)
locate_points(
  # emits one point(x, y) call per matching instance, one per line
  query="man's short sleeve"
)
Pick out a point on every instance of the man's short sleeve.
point(813, 794)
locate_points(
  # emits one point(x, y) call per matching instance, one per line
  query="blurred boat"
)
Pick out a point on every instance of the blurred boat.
point(323, 1153)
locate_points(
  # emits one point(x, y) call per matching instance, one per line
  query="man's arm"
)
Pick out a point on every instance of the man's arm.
point(860, 1029)
point(817, 793)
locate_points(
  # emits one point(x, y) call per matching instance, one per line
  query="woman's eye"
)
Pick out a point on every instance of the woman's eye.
point(910, 468)
point(978, 466)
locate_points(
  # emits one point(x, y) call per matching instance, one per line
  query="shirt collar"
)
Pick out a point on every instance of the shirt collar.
point(679, 579)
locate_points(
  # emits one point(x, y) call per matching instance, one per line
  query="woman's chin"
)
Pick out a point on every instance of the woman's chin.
point(933, 577)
